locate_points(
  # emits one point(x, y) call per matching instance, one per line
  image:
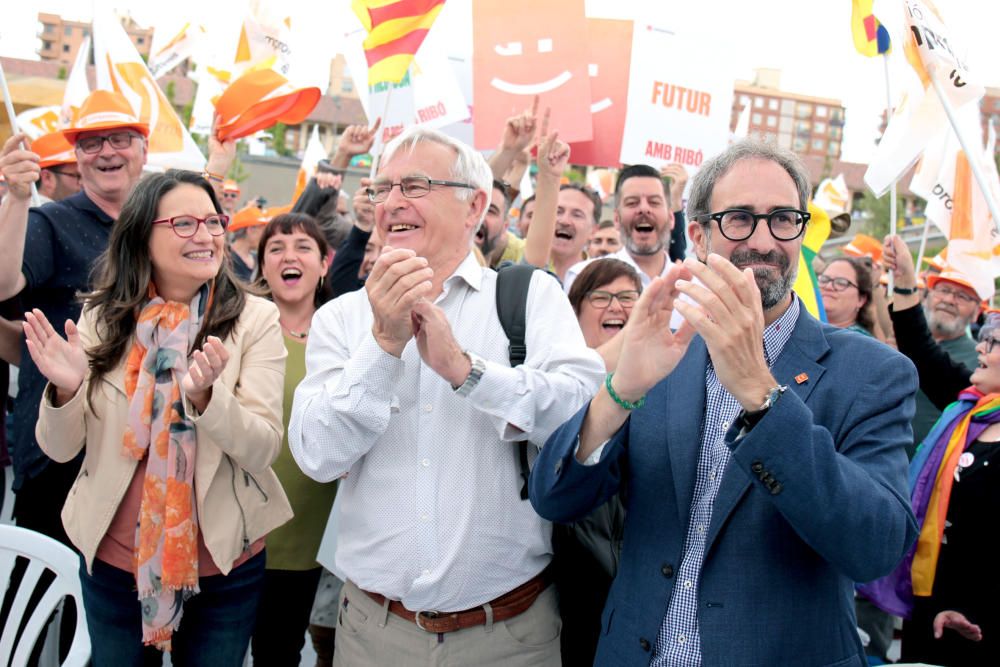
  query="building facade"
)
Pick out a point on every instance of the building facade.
point(60, 39)
point(807, 125)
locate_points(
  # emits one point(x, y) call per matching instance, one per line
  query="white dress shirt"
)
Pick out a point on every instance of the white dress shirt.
point(431, 512)
point(622, 254)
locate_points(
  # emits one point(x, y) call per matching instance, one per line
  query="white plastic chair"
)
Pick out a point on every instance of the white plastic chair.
point(43, 553)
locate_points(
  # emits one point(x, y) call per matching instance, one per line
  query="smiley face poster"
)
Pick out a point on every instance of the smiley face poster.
point(609, 45)
point(523, 48)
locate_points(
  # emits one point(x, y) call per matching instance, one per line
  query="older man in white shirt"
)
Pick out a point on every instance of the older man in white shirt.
point(410, 393)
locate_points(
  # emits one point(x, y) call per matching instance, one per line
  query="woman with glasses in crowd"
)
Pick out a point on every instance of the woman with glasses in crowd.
point(846, 288)
point(944, 587)
point(586, 555)
point(602, 297)
point(292, 259)
point(171, 385)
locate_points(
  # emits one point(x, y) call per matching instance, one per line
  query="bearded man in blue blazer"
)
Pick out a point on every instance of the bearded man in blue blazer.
point(765, 451)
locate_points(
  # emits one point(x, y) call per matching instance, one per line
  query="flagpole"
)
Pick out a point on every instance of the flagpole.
point(381, 145)
point(974, 158)
point(923, 243)
point(892, 189)
point(35, 201)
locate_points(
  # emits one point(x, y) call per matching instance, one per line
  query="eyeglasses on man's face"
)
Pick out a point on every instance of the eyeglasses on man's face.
point(412, 187)
point(186, 226)
point(835, 284)
point(602, 299)
point(959, 295)
point(736, 224)
point(118, 140)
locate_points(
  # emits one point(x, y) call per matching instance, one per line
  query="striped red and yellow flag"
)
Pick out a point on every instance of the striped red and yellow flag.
point(396, 29)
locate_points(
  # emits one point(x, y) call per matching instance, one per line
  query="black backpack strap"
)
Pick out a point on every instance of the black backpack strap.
point(513, 281)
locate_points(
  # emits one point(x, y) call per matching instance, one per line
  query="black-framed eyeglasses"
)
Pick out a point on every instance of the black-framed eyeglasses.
point(118, 140)
point(602, 299)
point(736, 224)
point(836, 284)
point(412, 187)
point(67, 174)
point(959, 295)
point(186, 226)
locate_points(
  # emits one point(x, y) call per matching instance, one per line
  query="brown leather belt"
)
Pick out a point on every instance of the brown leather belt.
point(506, 606)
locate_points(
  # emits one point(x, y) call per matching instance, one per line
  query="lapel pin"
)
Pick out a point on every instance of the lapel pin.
point(800, 378)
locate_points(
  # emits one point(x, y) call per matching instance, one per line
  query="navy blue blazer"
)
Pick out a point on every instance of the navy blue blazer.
point(813, 499)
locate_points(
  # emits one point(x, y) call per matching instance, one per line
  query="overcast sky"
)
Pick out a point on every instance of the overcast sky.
point(809, 41)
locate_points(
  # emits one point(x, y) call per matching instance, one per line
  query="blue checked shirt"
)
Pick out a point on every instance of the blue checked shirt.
point(678, 643)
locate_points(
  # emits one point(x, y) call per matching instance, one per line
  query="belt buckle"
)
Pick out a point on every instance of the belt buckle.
point(431, 614)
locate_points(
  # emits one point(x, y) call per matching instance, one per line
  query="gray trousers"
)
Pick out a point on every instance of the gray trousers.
point(368, 635)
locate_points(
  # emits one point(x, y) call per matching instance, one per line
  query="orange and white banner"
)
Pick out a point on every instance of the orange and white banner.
point(523, 48)
point(679, 105)
point(955, 203)
point(38, 121)
point(120, 68)
point(609, 45)
point(833, 196)
point(77, 87)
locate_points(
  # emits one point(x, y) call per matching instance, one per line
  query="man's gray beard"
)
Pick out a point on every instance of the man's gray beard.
point(633, 249)
point(945, 330)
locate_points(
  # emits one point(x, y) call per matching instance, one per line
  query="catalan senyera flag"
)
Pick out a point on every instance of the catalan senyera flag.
point(870, 36)
point(806, 286)
point(396, 29)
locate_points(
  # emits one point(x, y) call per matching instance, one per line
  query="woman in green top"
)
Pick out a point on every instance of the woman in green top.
point(292, 261)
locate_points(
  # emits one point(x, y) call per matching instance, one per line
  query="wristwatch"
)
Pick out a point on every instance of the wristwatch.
point(474, 376)
point(750, 419)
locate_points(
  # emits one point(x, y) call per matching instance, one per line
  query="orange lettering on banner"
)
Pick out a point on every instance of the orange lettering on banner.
point(677, 154)
point(431, 112)
point(681, 98)
point(165, 131)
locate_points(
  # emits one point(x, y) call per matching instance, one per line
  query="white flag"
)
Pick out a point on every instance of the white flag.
point(77, 88)
point(180, 47)
point(833, 196)
point(120, 68)
point(931, 51)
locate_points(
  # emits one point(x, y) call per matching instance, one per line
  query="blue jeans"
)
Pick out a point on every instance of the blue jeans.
point(215, 629)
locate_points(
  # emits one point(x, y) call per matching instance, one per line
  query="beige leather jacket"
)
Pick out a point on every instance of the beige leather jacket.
point(239, 498)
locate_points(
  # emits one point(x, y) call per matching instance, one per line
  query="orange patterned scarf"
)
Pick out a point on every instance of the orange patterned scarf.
point(166, 537)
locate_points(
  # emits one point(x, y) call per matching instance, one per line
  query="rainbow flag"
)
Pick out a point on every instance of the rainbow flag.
point(806, 285)
point(870, 36)
point(396, 29)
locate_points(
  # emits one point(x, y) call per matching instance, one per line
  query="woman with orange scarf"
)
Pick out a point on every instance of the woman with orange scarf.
point(171, 385)
point(944, 588)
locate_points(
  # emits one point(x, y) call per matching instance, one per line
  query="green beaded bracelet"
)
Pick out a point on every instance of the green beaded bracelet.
point(618, 399)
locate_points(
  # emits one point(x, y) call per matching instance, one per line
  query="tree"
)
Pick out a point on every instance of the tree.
point(278, 140)
point(875, 213)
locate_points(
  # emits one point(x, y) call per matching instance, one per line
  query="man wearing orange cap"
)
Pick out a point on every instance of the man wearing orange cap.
point(46, 257)
point(60, 176)
point(246, 228)
point(952, 302)
point(230, 198)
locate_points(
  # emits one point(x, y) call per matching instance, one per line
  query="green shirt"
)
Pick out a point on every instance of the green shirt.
point(294, 545)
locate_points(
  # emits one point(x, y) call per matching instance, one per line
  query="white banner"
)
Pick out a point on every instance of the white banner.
point(679, 104)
